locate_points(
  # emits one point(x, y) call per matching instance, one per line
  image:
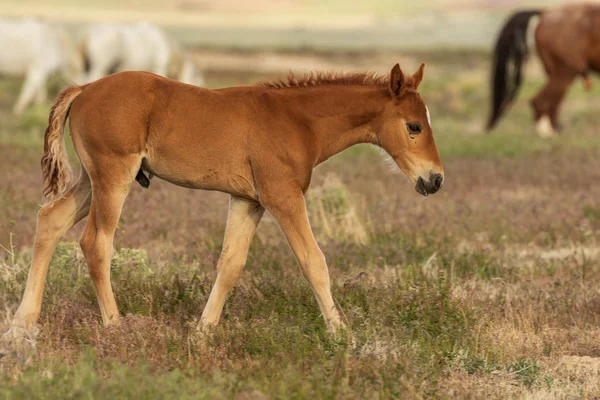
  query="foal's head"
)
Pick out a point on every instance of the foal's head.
point(406, 135)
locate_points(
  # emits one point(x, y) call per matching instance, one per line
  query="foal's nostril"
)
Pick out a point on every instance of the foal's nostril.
point(420, 187)
point(437, 179)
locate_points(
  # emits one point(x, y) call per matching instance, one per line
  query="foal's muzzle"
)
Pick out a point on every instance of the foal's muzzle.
point(430, 186)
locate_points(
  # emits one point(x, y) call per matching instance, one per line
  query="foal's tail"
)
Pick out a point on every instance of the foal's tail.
point(56, 170)
point(509, 56)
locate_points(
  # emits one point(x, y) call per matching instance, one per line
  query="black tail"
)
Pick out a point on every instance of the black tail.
point(509, 56)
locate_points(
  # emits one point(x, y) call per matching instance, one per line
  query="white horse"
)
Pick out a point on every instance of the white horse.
point(36, 50)
point(143, 46)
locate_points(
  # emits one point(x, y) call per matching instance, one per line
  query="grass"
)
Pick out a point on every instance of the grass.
point(416, 327)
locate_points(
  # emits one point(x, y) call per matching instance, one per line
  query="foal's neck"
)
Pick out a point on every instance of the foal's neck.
point(341, 116)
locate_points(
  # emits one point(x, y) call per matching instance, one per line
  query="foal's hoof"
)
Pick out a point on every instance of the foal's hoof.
point(20, 332)
point(200, 335)
point(341, 333)
point(205, 330)
point(18, 342)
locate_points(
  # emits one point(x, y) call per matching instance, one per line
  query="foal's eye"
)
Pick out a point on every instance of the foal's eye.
point(414, 128)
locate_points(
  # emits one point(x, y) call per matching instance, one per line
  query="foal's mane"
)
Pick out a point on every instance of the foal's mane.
point(314, 79)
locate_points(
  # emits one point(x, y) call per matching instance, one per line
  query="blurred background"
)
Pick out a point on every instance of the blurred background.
point(267, 37)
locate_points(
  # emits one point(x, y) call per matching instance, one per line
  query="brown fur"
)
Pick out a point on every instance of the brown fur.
point(257, 143)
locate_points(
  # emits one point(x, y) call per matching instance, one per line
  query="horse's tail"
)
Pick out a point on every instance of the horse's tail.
point(510, 54)
point(56, 170)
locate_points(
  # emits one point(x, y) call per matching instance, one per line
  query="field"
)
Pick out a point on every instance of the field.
point(488, 289)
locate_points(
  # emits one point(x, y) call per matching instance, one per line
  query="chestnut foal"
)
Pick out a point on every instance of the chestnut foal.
point(258, 143)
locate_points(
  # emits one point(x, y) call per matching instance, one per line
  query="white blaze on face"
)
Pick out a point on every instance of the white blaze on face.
point(428, 116)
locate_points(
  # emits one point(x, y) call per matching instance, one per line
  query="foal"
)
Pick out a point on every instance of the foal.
point(258, 143)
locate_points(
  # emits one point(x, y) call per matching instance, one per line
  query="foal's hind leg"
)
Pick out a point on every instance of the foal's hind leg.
point(110, 187)
point(53, 222)
point(244, 216)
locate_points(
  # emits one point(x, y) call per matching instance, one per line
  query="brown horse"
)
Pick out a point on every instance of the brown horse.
point(568, 43)
point(258, 143)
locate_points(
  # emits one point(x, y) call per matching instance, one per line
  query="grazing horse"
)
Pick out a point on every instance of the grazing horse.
point(257, 143)
point(36, 50)
point(108, 48)
point(568, 43)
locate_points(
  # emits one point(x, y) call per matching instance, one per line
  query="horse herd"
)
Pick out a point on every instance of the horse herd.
point(258, 143)
point(37, 50)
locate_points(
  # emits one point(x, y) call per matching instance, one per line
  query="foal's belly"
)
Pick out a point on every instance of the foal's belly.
point(202, 169)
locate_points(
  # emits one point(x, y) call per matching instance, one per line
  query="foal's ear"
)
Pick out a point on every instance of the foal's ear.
point(418, 76)
point(396, 80)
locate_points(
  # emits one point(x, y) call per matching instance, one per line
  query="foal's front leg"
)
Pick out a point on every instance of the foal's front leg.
point(290, 213)
point(244, 216)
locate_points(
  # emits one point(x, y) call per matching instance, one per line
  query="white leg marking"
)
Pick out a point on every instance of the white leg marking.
point(544, 127)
